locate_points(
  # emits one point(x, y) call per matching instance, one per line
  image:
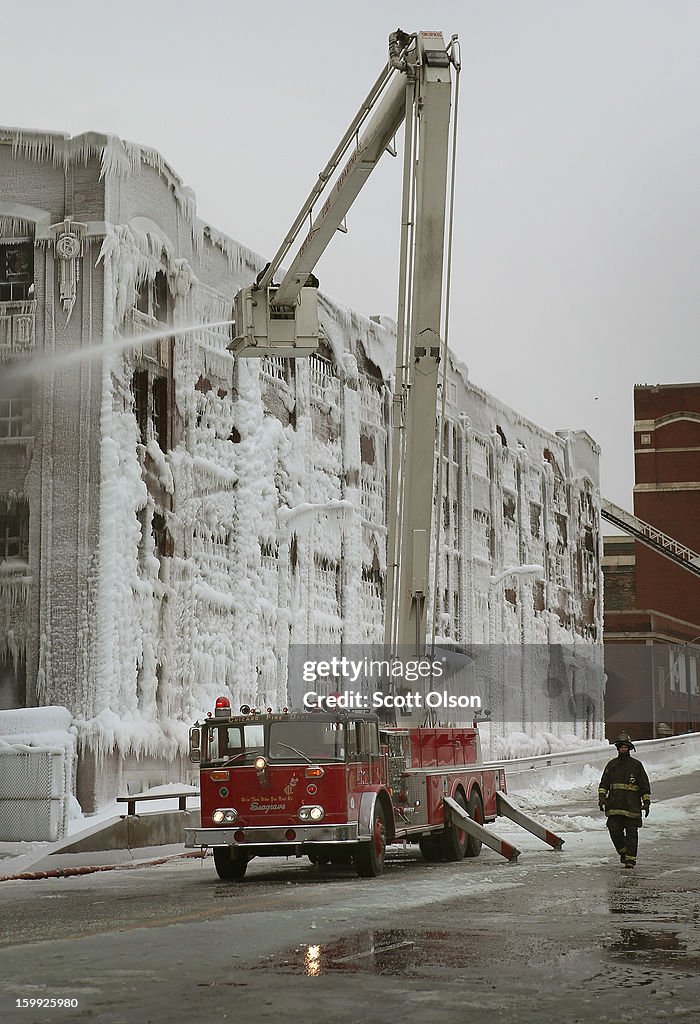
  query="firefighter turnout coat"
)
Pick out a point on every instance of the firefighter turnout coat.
point(624, 787)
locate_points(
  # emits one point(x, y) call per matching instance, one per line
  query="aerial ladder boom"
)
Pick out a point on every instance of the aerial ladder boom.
point(282, 319)
point(652, 538)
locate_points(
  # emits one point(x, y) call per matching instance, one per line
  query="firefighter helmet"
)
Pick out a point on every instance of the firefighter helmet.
point(623, 738)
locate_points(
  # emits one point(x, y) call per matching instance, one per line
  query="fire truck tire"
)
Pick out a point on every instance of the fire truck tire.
point(370, 856)
point(453, 841)
point(230, 864)
point(430, 848)
point(475, 810)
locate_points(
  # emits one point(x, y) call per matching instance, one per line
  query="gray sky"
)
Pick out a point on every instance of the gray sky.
point(577, 230)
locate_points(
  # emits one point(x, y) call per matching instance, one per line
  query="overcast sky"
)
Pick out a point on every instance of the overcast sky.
point(577, 232)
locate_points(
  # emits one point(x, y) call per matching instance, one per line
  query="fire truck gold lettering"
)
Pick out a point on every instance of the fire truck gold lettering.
point(267, 807)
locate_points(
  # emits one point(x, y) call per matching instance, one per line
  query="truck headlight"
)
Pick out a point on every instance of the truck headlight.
point(314, 812)
point(227, 814)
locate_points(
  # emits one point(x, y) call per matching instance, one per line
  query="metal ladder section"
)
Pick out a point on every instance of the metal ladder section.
point(649, 535)
point(457, 815)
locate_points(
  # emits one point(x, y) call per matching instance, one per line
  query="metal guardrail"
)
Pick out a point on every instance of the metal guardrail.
point(518, 770)
point(131, 801)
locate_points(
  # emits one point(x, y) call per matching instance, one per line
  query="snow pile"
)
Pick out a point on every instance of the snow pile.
point(21, 721)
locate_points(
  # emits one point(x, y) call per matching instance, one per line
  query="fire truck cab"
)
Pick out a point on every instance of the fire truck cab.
point(335, 787)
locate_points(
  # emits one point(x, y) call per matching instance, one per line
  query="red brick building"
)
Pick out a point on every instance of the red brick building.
point(652, 606)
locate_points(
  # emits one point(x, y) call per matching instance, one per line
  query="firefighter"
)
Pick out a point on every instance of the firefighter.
point(623, 791)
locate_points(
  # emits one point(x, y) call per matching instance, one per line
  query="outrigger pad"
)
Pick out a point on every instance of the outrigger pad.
point(457, 814)
point(505, 809)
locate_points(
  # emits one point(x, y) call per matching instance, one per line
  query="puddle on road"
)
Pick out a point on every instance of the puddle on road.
point(631, 940)
point(400, 952)
point(654, 948)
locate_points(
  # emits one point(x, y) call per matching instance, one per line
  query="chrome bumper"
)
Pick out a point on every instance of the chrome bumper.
point(272, 835)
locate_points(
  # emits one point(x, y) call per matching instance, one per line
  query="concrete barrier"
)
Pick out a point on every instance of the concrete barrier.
point(522, 773)
point(131, 832)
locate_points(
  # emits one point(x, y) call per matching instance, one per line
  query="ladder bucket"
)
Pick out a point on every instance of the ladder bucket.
point(506, 810)
point(457, 815)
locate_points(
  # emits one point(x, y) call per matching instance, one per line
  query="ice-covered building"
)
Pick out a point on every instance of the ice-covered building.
point(172, 519)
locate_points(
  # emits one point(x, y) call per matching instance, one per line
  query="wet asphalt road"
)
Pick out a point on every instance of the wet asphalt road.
point(559, 937)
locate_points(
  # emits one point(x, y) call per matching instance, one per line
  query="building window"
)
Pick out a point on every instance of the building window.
point(160, 411)
point(16, 415)
point(139, 386)
point(14, 532)
point(16, 271)
point(152, 298)
point(163, 542)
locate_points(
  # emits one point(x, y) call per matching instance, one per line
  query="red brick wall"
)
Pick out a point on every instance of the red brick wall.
point(672, 457)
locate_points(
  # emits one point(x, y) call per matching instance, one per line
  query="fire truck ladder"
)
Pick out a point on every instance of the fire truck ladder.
point(505, 809)
point(649, 535)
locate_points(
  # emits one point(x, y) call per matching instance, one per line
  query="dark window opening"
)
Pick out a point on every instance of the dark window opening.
point(509, 508)
point(160, 412)
point(538, 596)
point(511, 596)
point(268, 549)
point(139, 386)
point(14, 532)
point(551, 459)
point(502, 436)
point(164, 544)
point(16, 271)
point(562, 531)
point(367, 450)
point(160, 297)
point(152, 298)
point(372, 575)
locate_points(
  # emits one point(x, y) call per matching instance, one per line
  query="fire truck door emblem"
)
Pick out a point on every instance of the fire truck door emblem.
point(289, 788)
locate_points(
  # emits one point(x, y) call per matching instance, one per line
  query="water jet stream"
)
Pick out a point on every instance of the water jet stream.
point(44, 364)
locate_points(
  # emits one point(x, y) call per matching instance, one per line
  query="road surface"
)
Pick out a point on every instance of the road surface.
point(565, 937)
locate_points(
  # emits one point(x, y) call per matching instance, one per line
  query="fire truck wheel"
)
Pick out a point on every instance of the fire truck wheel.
point(453, 841)
point(370, 856)
point(475, 810)
point(430, 848)
point(230, 864)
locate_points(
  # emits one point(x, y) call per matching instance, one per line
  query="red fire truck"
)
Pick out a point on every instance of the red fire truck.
point(335, 787)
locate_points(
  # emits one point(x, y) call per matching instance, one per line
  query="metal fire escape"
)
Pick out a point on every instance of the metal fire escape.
point(646, 534)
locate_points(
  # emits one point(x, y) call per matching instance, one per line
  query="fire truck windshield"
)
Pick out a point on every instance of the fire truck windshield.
point(305, 741)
